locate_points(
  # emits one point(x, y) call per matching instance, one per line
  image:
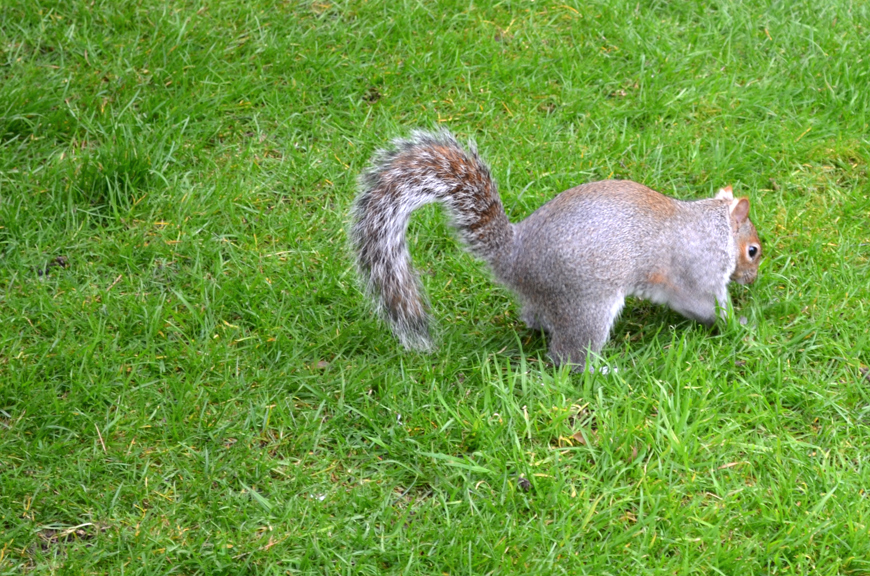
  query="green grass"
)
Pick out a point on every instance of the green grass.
point(191, 381)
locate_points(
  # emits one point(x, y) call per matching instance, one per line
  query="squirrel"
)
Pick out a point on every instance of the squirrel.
point(571, 263)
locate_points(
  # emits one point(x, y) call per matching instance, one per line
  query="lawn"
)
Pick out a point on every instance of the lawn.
point(191, 381)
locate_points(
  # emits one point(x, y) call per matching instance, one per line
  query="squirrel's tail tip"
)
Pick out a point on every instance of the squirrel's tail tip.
point(414, 335)
point(417, 342)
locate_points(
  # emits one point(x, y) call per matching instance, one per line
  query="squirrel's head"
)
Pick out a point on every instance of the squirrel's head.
point(745, 238)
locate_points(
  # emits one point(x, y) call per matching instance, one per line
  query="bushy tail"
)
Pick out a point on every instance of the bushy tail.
point(427, 167)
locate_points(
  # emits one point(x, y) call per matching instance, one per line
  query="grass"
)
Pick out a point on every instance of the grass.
point(191, 382)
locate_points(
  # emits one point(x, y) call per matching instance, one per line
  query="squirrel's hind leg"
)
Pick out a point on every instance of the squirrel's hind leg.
point(583, 328)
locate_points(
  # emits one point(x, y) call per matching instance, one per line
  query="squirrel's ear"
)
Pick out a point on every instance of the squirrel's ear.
point(725, 193)
point(739, 210)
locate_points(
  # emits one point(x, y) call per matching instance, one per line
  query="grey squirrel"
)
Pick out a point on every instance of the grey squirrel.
point(572, 262)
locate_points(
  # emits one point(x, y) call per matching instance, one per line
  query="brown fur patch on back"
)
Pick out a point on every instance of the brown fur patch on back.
point(624, 192)
point(654, 201)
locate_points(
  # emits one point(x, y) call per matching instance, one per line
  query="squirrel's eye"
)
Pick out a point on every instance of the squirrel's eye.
point(753, 250)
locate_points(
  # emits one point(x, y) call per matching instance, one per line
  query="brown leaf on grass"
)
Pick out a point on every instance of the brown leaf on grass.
point(865, 372)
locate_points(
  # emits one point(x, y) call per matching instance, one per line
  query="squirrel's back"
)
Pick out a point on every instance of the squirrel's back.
point(616, 238)
point(617, 230)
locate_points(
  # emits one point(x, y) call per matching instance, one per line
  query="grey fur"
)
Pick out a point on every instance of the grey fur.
point(572, 262)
